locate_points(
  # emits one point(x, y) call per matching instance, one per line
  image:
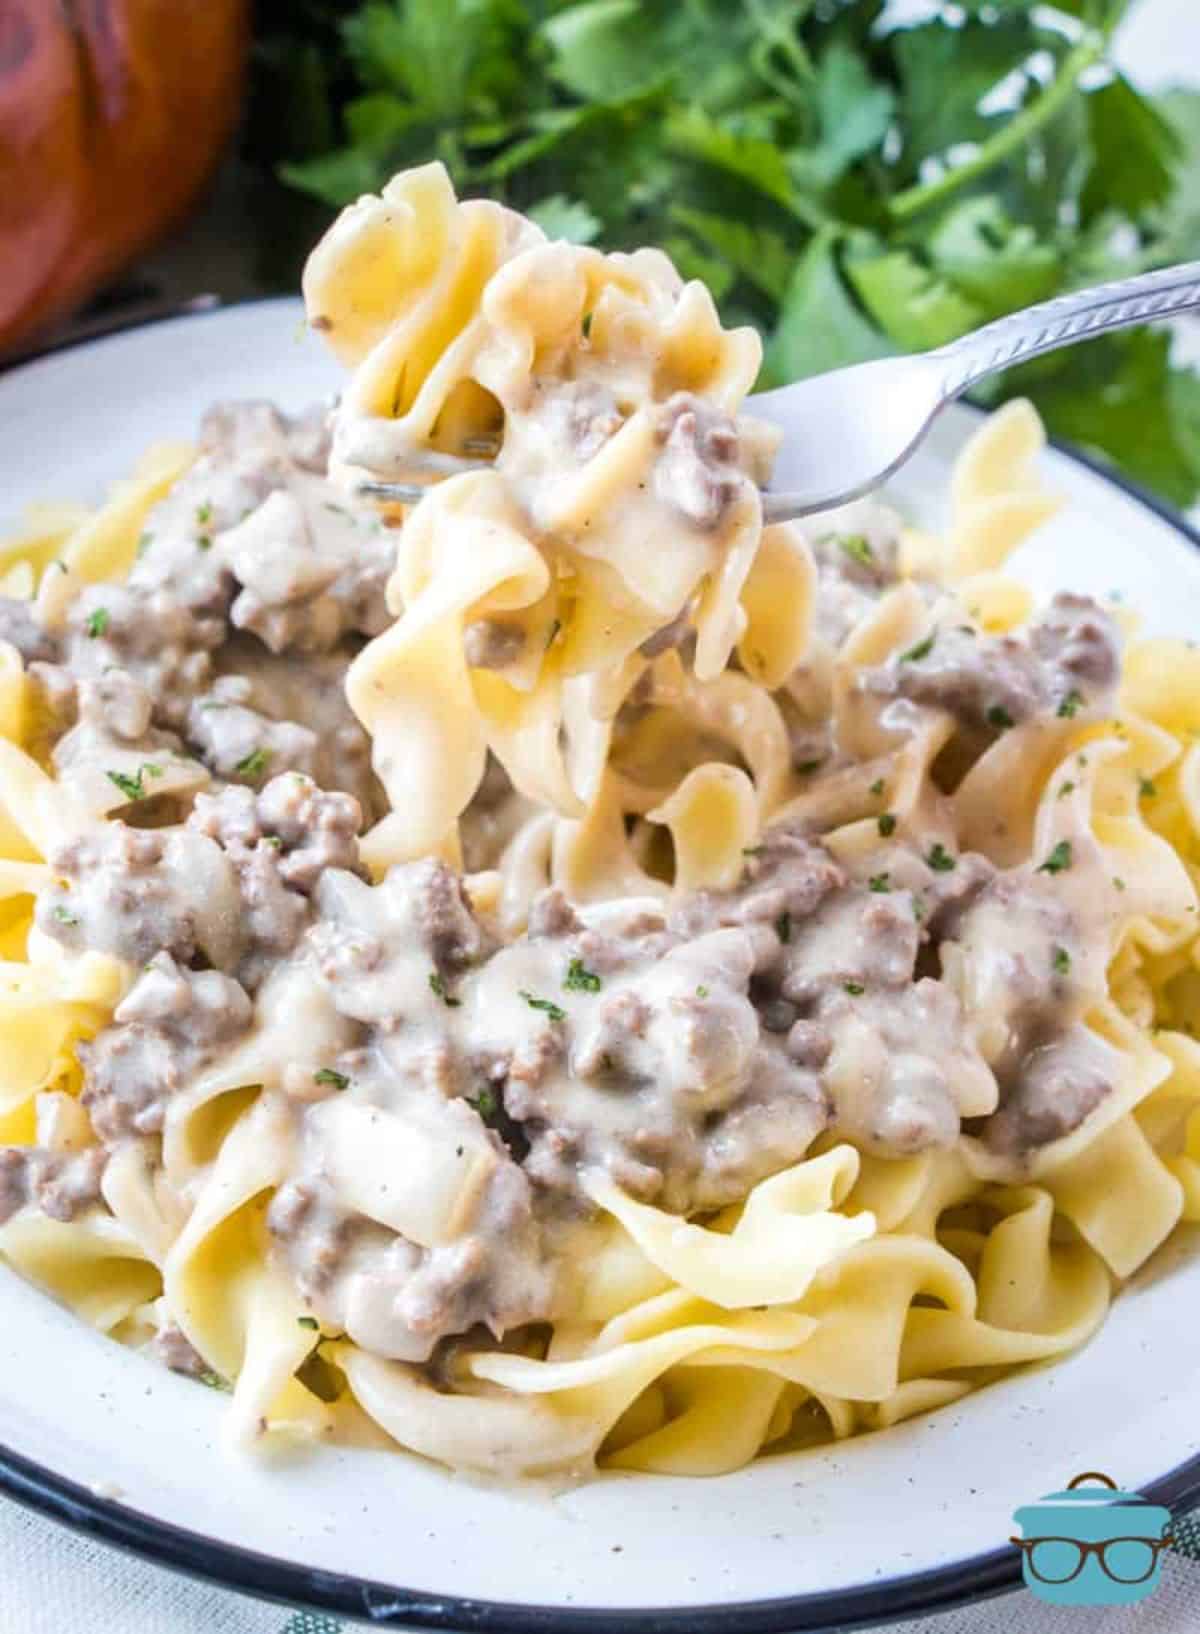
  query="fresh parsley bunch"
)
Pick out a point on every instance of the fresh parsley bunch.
point(850, 178)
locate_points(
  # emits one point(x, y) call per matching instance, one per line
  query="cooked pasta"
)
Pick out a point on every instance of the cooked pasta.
point(562, 970)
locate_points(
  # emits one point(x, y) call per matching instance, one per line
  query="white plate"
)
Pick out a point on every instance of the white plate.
point(908, 1520)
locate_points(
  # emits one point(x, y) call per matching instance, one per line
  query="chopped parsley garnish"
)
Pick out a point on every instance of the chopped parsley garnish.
point(1058, 859)
point(308, 1322)
point(880, 882)
point(858, 549)
point(438, 985)
point(1000, 718)
point(1071, 704)
point(97, 622)
point(887, 824)
point(918, 907)
point(204, 514)
point(214, 1381)
point(702, 992)
point(753, 850)
point(1118, 883)
point(876, 786)
point(487, 1104)
point(1065, 788)
point(921, 650)
point(254, 764)
point(580, 979)
point(1147, 788)
point(554, 1011)
point(1062, 961)
point(586, 325)
point(64, 915)
point(131, 787)
point(330, 1079)
point(783, 927)
point(939, 859)
point(807, 767)
point(273, 841)
point(855, 989)
point(144, 543)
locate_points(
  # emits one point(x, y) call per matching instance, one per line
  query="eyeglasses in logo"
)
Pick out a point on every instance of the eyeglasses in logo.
point(1089, 1547)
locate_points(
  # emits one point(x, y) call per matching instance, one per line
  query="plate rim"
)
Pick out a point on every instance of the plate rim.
point(969, 1580)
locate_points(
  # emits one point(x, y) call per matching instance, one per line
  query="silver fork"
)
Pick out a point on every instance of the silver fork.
point(847, 431)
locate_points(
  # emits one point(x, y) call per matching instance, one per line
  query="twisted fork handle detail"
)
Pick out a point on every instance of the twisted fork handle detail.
point(1066, 319)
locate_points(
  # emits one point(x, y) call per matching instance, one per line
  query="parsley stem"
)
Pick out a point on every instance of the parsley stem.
point(1014, 133)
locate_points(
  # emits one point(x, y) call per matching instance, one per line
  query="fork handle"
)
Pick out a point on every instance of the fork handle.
point(1067, 319)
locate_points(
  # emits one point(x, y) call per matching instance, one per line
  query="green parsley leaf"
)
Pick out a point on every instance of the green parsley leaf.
point(880, 882)
point(702, 992)
point(1000, 718)
point(437, 985)
point(554, 1011)
point(922, 649)
point(580, 979)
point(1061, 962)
point(1065, 788)
point(204, 514)
point(758, 254)
point(487, 1104)
point(855, 989)
point(254, 764)
point(783, 927)
point(911, 304)
point(131, 787)
point(1134, 151)
point(887, 824)
point(1069, 708)
point(1058, 859)
point(858, 547)
point(806, 768)
point(97, 622)
point(1147, 788)
point(876, 787)
point(562, 218)
point(939, 859)
point(997, 263)
point(214, 1381)
point(64, 915)
point(821, 325)
point(308, 1322)
point(330, 1079)
point(854, 111)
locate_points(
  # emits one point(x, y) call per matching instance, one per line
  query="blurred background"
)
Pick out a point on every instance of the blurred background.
point(852, 176)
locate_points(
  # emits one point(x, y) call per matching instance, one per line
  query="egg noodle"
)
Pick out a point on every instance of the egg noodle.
point(592, 605)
